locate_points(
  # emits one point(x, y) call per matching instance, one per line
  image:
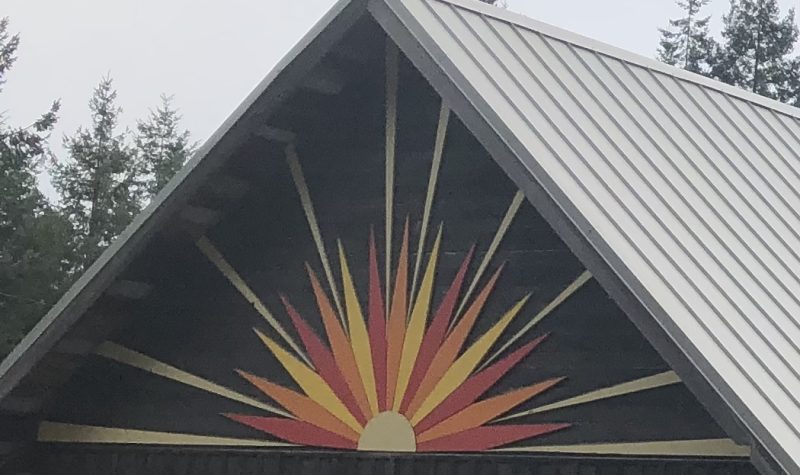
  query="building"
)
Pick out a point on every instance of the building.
point(442, 238)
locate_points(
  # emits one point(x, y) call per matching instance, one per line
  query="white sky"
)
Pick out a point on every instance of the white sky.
point(210, 54)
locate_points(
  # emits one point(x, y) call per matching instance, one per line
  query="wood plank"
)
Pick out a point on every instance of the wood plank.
point(129, 289)
point(275, 134)
point(325, 80)
point(200, 215)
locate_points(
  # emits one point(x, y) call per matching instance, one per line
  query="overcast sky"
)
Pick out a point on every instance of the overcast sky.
point(210, 54)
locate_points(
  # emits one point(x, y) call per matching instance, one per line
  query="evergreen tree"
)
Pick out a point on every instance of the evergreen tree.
point(34, 250)
point(686, 43)
point(162, 147)
point(99, 185)
point(756, 50)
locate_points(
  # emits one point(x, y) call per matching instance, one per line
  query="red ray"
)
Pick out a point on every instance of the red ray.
point(487, 437)
point(473, 387)
point(324, 362)
point(377, 324)
point(294, 431)
point(435, 334)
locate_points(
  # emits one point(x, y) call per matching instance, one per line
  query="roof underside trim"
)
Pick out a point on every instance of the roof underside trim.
point(265, 98)
point(687, 194)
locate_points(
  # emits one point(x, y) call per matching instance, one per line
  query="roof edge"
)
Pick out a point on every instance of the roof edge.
point(606, 49)
point(93, 282)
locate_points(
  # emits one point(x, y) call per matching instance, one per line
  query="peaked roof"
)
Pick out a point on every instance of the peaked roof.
point(679, 193)
point(686, 189)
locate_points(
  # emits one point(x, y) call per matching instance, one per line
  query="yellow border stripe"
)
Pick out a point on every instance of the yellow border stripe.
point(311, 383)
point(643, 384)
point(511, 213)
point(129, 357)
point(441, 132)
point(465, 364)
point(359, 337)
point(75, 433)
point(686, 448)
point(392, 76)
point(308, 208)
point(216, 257)
point(564, 295)
point(416, 326)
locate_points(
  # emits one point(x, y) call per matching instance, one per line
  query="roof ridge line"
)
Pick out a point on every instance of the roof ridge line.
point(621, 54)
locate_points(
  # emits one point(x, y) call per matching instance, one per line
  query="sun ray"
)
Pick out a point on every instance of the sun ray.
point(308, 208)
point(678, 448)
point(297, 432)
point(359, 336)
point(303, 407)
point(311, 383)
point(434, 335)
point(216, 258)
point(666, 378)
point(396, 325)
point(447, 353)
point(475, 386)
point(377, 324)
point(324, 361)
point(416, 325)
point(123, 355)
point(484, 411)
point(511, 213)
point(441, 132)
point(85, 434)
point(485, 438)
point(564, 295)
point(340, 346)
point(466, 363)
point(392, 76)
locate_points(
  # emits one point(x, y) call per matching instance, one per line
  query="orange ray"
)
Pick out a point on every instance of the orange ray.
point(323, 360)
point(484, 438)
point(311, 383)
point(359, 336)
point(396, 326)
point(466, 363)
point(484, 411)
point(340, 345)
point(296, 432)
point(377, 324)
point(436, 332)
point(416, 325)
point(475, 386)
point(301, 406)
point(452, 345)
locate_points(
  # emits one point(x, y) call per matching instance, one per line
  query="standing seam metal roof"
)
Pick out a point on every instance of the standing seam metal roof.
point(693, 185)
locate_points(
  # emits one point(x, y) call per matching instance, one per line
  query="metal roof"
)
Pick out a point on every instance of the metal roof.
point(686, 188)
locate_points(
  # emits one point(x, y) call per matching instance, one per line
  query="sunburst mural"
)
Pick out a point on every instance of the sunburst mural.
point(392, 372)
point(396, 384)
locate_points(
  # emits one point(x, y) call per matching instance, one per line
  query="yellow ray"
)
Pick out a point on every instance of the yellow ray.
point(564, 295)
point(216, 258)
point(83, 434)
point(359, 337)
point(126, 356)
point(642, 384)
point(685, 448)
point(513, 208)
point(392, 67)
point(462, 368)
point(416, 326)
point(308, 208)
point(311, 383)
point(441, 131)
